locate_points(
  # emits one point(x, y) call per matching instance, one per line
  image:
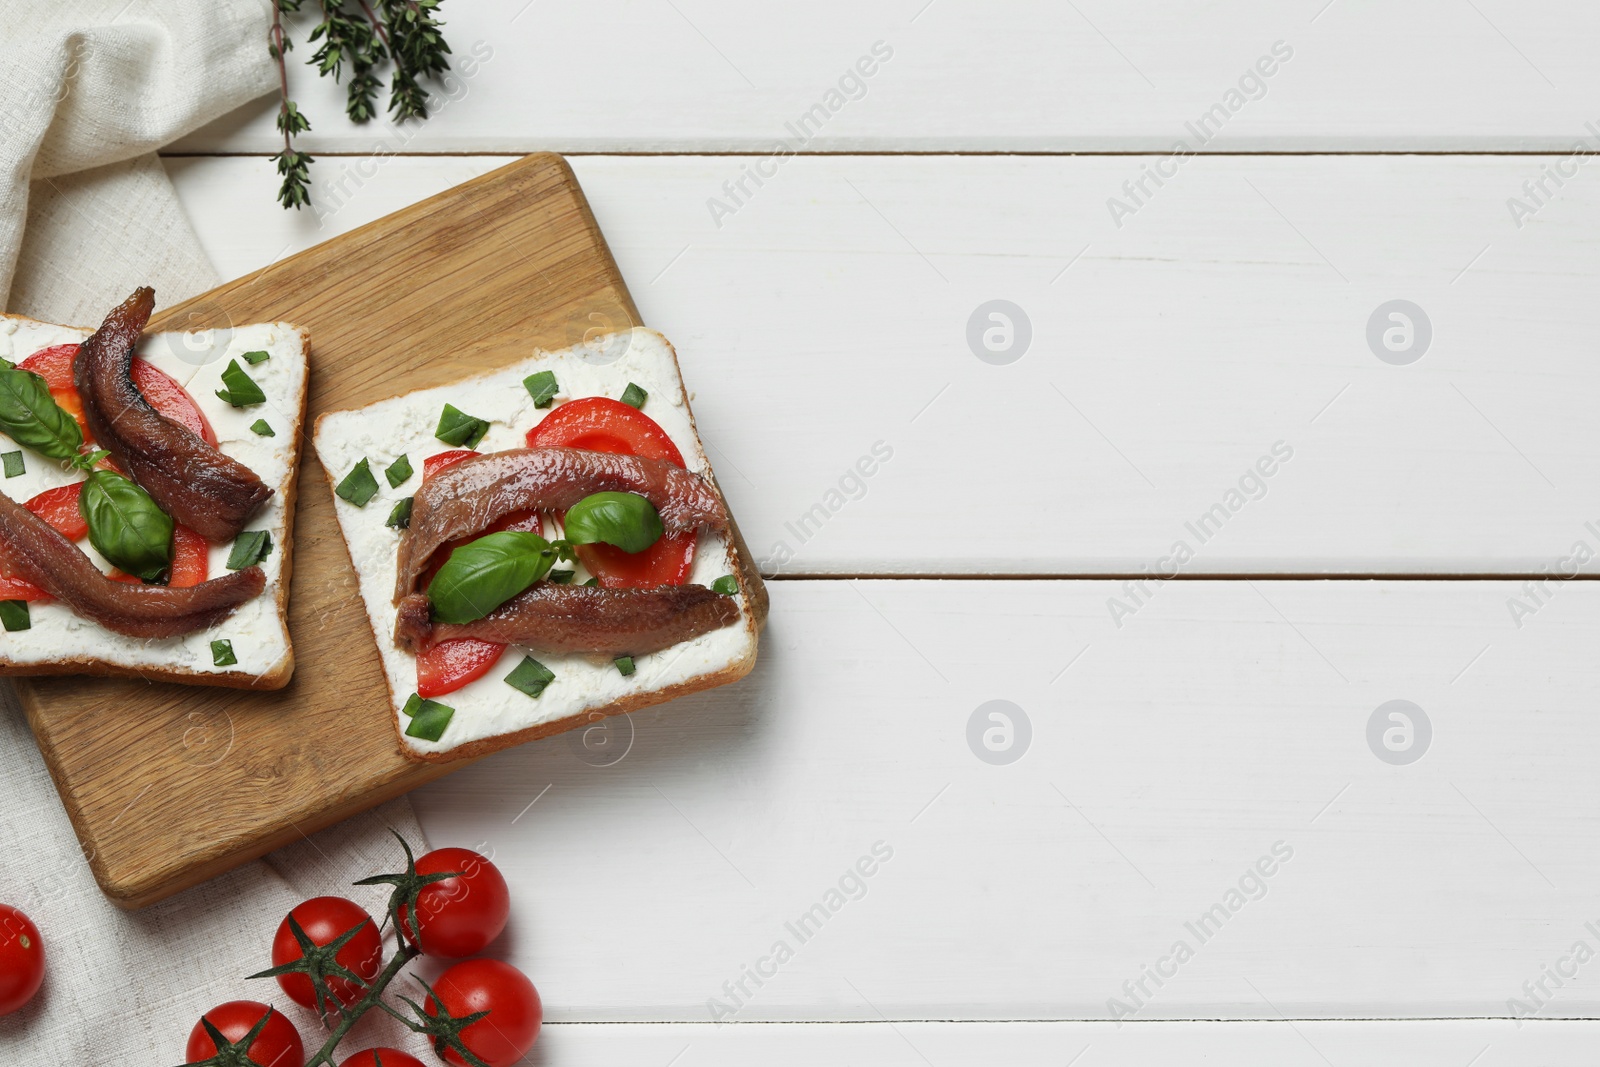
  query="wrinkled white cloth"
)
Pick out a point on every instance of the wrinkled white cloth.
point(90, 89)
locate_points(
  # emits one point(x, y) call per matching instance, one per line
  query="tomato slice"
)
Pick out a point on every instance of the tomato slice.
point(54, 365)
point(444, 461)
point(191, 561)
point(59, 507)
point(601, 424)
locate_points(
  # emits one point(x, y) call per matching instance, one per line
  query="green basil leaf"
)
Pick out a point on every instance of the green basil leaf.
point(398, 471)
point(125, 525)
point(359, 486)
point(262, 428)
point(249, 548)
point(530, 677)
point(400, 515)
point(624, 665)
point(14, 615)
point(222, 654)
point(634, 397)
point(562, 577)
point(30, 416)
point(483, 574)
point(14, 463)
point(727, 585)
point(255, 357)
point(626, 520)
point(242, 390)
point(429, 720)
point(542, 387)
point(458, 428)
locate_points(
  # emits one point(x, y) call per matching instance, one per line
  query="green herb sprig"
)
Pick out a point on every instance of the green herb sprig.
point(354, 43)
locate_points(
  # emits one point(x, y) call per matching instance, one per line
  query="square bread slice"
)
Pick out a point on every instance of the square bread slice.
point(58, 641)
point(490, 714)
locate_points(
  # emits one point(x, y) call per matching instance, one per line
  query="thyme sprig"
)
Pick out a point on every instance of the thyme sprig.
point(354, 42)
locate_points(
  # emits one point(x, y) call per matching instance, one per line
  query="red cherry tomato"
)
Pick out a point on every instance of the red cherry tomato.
point(277, 1045)
point(324, 919)
point(601, 424)
point(459, 916)
point(382, 1057)
point(21, 959)
point(506, 1034)
point(54, 365)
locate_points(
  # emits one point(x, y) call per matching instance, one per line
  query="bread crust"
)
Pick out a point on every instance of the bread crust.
point(752, 589)
point(280, 675)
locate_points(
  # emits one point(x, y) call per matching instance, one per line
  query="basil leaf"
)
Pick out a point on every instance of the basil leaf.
point(242, 390)
point(483, 574)
point(400, 515)
point(125, 525)
point(626, 520)
point(359, 486)
point(14, 615)
point(398, 471)
point(727, 585)
point(255, 357)
point(542, 387)
point(262, 428)
point(458, 428)
point(31, 417)
point(530, 677)
point(429, 720)
point(14, 464)
point(222, 654)
point(634, 397)
point(249, 548)
point(624, 665)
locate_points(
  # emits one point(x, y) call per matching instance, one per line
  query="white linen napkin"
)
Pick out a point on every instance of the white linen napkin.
point(89, 89)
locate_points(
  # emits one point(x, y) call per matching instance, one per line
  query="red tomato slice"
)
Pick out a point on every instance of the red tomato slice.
point(191, 560)
point(22, 589)
point(54, 365)
point(444, 461)
point(601, 424)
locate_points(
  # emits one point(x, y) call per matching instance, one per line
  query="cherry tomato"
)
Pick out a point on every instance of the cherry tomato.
point(323, 919)
point(277, 1045)
point(21, 959)
point(506, 1034)
point(191, 560)
point(382, 1057)
point(601, 424)
point(54, 365)
point(460, 915)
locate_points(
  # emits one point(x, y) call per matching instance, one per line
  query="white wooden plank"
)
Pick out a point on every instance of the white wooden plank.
point(994, 75)
point(1430, 1043)
point(1168, 359)
point(1166, 759)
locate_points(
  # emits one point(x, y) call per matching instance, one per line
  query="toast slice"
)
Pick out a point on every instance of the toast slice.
point(57, 641)
point(490, 714)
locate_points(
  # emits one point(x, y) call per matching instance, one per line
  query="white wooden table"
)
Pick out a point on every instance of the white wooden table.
point(1202, 393)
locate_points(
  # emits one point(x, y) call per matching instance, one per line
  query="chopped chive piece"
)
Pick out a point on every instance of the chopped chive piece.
point(255, 357)
point(249, 548)
point(458, 428)
point(14, 615)
point(530, 677)
point(222, 654)
point(624, 665)
point(359, 486)
point(542, 387)
point(14, 464)
point(398, 471)
point(261, 428)
point(428, 719)
point(592, 581)
point(634, 397)
point(727, 585)
point(561, 577)
point(400, 516)
point(241, 391)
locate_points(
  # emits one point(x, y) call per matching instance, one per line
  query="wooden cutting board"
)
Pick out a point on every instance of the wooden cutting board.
point(169, 785)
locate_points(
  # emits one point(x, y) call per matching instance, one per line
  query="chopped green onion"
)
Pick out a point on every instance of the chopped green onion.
point(222, 654)
point(561, 577)
point(624, 665)
point(255, 357)
point(398, 471)
point(542, 387)
point(249, 548)
point(458, 428)
point(261, 428)
point(241, 391)
point(400, 516)
point(14, 464)
point(14, 615)
point(429, 719)
point(530, 677)
point(634, 397)
point(359, 486)
point(727, 585)
point(592, 581)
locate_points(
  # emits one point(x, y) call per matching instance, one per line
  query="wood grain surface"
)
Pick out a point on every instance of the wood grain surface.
point(168, 785)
